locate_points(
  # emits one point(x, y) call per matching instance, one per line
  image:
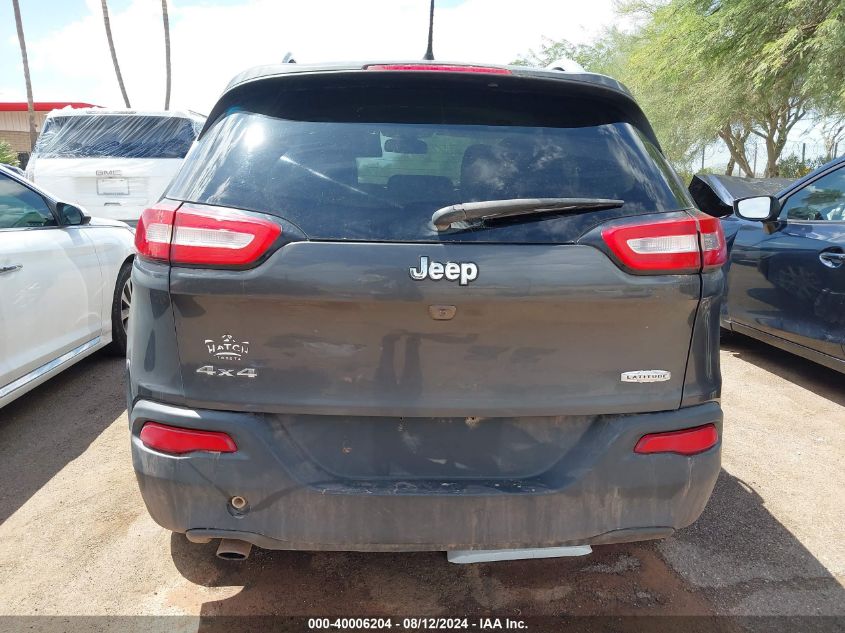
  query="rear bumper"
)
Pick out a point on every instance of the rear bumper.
point(599, 491)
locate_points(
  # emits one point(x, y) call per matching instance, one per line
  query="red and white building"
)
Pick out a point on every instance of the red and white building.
point(14, 121)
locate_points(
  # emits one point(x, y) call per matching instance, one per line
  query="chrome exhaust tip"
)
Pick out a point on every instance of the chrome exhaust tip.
point(230, 549)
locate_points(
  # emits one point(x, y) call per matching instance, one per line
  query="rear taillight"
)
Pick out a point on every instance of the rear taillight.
point(665, 245)
point(178, 441)
point(203, 236)
point(682, 245)
point(222, 237)
point(443, 68)
point(155, 226)
point(685, 442)
point(714, 250)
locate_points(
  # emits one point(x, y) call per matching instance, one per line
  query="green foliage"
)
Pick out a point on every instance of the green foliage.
point(740, 66)
point(611, 54)
point(800, 42)
point(607, 55)
point(704, 70)
point(686, 172)
point(793, 167)
point(7, 155)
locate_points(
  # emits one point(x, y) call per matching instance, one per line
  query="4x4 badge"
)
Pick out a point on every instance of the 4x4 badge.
point(228, 348)
point(463, 272)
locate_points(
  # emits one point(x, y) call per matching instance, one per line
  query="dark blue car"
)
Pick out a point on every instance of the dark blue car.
point(786, 270)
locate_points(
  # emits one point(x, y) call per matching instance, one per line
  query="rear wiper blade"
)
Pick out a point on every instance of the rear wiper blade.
point(489, 209)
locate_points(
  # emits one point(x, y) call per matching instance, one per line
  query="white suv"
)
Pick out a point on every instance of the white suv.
point(114, 163)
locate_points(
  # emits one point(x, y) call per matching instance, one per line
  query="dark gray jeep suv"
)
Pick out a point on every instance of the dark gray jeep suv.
point(425, 307)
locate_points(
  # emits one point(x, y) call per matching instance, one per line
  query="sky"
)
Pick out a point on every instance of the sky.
point(213, 40)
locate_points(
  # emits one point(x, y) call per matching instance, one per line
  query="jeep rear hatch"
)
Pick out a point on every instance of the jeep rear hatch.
point(363, 307)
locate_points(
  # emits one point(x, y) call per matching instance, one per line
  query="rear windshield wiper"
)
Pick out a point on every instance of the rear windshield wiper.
point(489, 209)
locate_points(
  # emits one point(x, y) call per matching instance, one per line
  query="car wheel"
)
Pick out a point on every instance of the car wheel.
point(120, 310)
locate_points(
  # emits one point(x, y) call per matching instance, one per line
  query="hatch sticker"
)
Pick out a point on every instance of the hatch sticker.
point(646, 375)
point(227, 348)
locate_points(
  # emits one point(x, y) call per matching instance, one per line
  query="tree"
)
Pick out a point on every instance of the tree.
point(30, 105)
point(610, 54)
point(793, 167)
point(832, 128)
point(7, 154)
point(801, 40)
point(735, 137)
point(777, 45)
point(738, 67)
point(113, 52)
point(729, 70)
point(166, 20)
point(607, 55)
point(776, 120)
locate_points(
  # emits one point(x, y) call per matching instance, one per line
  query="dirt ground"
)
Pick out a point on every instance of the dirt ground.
point(75, 539)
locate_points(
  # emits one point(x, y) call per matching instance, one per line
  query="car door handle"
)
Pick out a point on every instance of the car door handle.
point(832, 260)
point(10, 269)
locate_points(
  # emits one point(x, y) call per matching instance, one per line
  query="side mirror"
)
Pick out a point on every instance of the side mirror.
point(758, 209)
point(70, 215)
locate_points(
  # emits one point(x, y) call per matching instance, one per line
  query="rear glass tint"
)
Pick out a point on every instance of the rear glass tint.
point(115, 136)
point(375, 164)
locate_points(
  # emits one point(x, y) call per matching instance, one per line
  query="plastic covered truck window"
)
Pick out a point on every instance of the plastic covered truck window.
point(115, 136)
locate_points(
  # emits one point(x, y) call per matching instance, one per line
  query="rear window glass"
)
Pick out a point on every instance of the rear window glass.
point(351, 176)
point(115, 136)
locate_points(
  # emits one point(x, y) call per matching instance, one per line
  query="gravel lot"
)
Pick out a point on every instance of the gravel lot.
point(75, 538)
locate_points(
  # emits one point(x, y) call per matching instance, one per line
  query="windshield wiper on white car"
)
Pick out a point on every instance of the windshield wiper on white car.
point(490, 209)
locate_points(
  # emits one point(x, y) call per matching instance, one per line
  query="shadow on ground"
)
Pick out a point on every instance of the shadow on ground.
point(53, 424)
point(799, 371)
point(733, 553)
point(747, 563)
